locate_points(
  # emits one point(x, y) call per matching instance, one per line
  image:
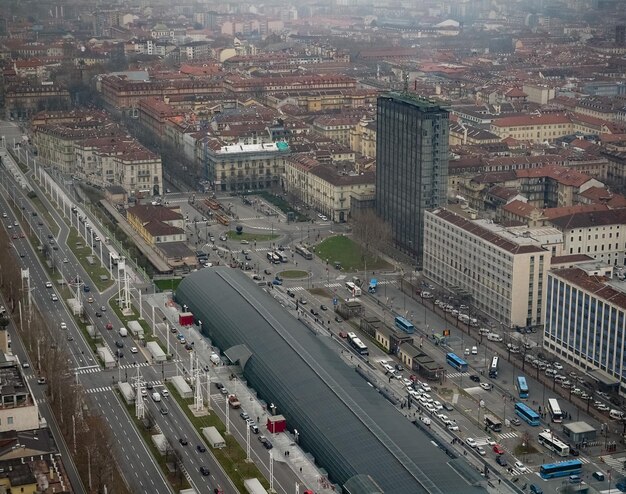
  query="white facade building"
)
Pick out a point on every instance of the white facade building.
point(503, 273)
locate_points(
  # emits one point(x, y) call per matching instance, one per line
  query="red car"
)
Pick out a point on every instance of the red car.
point(15, 236)
point(497, 449)
point(109, 325)
point(343, 334)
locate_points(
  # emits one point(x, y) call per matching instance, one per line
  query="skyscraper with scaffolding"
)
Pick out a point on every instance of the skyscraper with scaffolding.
point(411, 165)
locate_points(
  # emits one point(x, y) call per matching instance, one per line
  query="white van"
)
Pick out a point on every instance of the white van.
point(156, 396)
point(616, 414)
point(484, 331)
point(494, 337)
point(215, 359)
point(123, 332)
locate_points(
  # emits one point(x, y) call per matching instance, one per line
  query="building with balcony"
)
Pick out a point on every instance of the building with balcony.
point(501, 273)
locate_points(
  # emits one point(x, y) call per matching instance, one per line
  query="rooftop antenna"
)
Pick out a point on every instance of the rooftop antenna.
point(405, 76)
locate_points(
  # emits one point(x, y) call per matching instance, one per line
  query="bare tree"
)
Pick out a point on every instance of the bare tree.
point(371, 231)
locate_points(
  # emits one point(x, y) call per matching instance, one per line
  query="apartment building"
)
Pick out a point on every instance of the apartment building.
point(327, 188)
point(337, 128)
point(598, 234)
point(586, 321)
point(154, 112)
point(239, 167)
point(56, 142)
point(553, 186)
point(21, 101)
point(363, 138)
point(502, 273)
point(119, 161)
point(535, 128)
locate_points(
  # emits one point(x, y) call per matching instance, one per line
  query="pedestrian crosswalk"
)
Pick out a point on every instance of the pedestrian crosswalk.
point(457, 374)
point(332, 285)
point(87, 370)
point(582, 459)
point(135, 365)
point(101, 389)
point(507, 435)
point(297, 288)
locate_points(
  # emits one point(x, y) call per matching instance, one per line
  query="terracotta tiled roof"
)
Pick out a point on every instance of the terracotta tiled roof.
point(524, 121)
point(560, 174)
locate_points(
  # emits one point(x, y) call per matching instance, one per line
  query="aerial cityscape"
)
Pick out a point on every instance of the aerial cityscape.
point(316, 247)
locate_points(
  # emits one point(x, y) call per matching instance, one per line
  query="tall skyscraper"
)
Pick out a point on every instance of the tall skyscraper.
point(411, 166)
point(620, 35)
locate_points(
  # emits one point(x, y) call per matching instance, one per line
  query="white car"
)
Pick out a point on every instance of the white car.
point(426, 387)
point(557, 366)
point(442, 416)
point(519, 466)
point(63, 325)
point(486, 386)
point(414, 394)
point(471, 442)
point(54, 297)
point(65, 260)
point(48, 284)
point(426, 420)
point(430, 407)
point(437, 404)
point(481, 451)
point(474, 350)
point(133, 349)
point(407, 382)
point(452, 426)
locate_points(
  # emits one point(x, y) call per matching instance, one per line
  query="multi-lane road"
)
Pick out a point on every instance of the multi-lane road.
point(141, 472)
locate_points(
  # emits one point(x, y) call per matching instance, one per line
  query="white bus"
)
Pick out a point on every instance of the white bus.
point(493, 368)
point(547, 439)
point(555, 410)
point(357, 344)
point(354, 290)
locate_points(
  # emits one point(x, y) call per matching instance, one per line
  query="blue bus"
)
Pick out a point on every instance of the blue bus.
point(527, 414)
point(457, 362)
point(522, 387)
point(403, 325)
point(561, 469)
